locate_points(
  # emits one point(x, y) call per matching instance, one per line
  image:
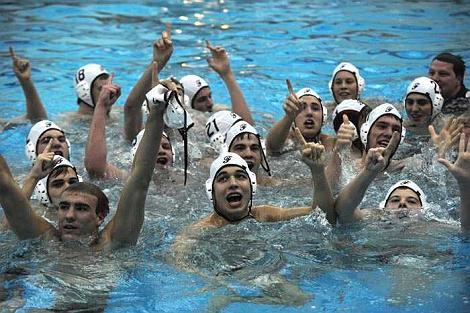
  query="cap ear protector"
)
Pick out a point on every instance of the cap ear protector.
point(374, 115)
point(192, 85)
point(406, 184)
point(229, 159)
point(35, 133)
point(41, 192)
point(429, 88)
point(138, 139)
point(346, 66)
point(84, 79)
point(218, 125)
point(309, 92)
point(241, 128)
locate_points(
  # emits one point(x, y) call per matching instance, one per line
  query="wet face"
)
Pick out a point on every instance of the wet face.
point(59, 144)
point(382, 130)
point(165, 155)
point(248, 147)
point(443, 74)
point(418, 108)
point(203, 100)
point(77, 215)
point(309, 120)
point(232, 192)
point(98, 84)
point(403, 198)
point(57, 184)
point(344, 86)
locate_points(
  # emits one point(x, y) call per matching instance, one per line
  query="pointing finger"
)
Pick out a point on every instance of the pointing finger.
point(110, 79)
point(47, 149)
point(168, 30)
point(392, 145)
point(12, 53)
point(300, 137)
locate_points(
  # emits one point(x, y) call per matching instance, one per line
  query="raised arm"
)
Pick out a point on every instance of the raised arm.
point(22, 219)
point(461, 171)
point(35, 110)
point(220, 63)
point(126, 224)
point(350, 197)
point(162, 50)
point(278, 134)
point(447, 137)
point(96, 151)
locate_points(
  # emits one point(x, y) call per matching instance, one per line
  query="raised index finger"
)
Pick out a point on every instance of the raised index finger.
point(299, 136)
point(392, 145)
point(110, 79)
point(209, 46)
point(47, 149)
point(12, 53)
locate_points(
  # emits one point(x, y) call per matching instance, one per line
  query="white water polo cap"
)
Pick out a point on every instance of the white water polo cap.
point(374, 115)
point(228, 159)
point(428, 87)
point(192, 85)
point(406, 184)
point(346, 66)
point(35, 133)
point(84, 79)
point(245, 128)
point(40, 191)
point(138, 139)
point(309, 92)
point(218, 125)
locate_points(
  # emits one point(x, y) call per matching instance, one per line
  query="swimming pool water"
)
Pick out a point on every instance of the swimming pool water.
point(298, 266)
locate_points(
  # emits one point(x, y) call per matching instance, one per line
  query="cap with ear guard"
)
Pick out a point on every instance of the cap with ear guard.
point(35, 133)
point(40, 191)
point(192, 85)
point(406, 184)
point(346, 66)
point(245, 128)
point(428, 87)
point(84, 79)
point(218, 125)
point(138, 138)
point(228, 159)
point(353, 109)
point(374, 115)
point(309, 92)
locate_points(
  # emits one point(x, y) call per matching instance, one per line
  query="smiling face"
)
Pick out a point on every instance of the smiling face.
point(443, 74)
point(344, 86)
point(382, 130)
point(248, 147)
point(232, 193)
point(165, 154)
point(203, 100)
point(418, 108)
point(403, 198)
point(309, 120)
point(59, 144)
point(77, 215)
point(58, 181)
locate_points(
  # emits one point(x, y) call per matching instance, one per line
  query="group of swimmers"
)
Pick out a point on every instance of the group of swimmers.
point(366, 137)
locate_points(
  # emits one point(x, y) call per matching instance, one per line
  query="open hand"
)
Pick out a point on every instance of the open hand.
point(447, 138)
point(461, 168)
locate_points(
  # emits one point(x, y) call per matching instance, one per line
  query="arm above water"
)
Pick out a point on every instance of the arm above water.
point(461, 171)
point(22, 219)
point(35, 110)
point(220, 63)
point(125, 226)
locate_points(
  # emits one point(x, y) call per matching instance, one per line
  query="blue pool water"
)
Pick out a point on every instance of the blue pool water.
point(298, 266)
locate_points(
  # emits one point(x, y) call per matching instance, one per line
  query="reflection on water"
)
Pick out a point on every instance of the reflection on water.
point(392, 263)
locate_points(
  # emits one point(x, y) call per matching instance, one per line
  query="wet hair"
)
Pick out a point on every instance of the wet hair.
point(455, 60)
point(102, 206)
